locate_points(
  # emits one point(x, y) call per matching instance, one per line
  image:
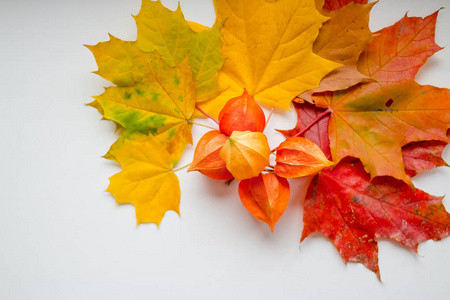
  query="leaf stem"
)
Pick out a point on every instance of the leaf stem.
point(198, 124)
point(268, 118)
point(203, 112)
point(319, 117)
point(181, 168)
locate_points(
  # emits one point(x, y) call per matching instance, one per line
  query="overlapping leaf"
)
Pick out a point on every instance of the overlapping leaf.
point(338, 4)
point(147, 180)
point(373, 121)
point(160, 103)
point(342, 39)
point(354, 212)
point(268, 46)
point(171, 35)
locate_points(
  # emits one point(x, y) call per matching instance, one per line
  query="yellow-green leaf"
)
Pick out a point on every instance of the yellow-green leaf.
point(116, 60)
point(173, 37)
point(147, 180)
point(163, 30)
point(206, 59)
point(162, 103)
point(268, 50)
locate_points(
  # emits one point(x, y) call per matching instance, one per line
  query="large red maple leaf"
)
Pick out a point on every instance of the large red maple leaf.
point(353, 211)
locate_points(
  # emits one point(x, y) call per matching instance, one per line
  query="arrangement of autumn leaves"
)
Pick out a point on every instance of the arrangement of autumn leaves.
point(365, 127)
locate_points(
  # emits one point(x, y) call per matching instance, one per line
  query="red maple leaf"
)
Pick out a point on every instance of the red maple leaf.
point(354, 212)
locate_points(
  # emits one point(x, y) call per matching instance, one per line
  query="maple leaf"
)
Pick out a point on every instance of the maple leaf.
point(338, 4)
point(265, 197)
point(353, 211)
point(421, 156)
point(262, 41)
point(147, 180)
point(342, 39)
point(374, 120)
point(373, 123)
point(166, 31)
point(246, 154)
point(207, 156)
point(398, 51)
point(299, 157)
point(160, 103)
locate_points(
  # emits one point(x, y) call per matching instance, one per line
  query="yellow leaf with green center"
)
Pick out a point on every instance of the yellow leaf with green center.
point(171, 35)
point(246, 154)
point(147, 180)
point(268, 50)
point(161, 103)
point(117, 61)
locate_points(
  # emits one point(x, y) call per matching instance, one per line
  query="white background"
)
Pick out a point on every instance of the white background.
point(62, 237)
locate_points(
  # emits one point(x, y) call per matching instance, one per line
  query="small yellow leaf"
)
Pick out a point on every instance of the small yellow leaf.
point(246, 154)
point(147, 180)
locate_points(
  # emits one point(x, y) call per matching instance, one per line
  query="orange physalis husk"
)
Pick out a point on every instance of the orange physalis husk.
point(246, 154)
point(206, 156)
point(299, 157)
point(241, 113)
point(265, 197)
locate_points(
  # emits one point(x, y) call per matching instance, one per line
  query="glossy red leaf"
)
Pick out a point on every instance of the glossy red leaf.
point(241, 114)
point(207, 156)
point(354, 212)
point(265, 197)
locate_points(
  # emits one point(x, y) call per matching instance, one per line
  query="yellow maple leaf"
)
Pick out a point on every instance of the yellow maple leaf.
point(147, 180)
point(268, 50)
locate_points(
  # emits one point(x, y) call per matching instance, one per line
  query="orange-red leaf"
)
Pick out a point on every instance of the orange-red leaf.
point(207, 156)
point(241, 113)
point(373, 123)
point(354, 212)
point(246, 154)
point(265, 197)
point(421, 156)
point(398, 51)
point(337, 4)
point(299, 157)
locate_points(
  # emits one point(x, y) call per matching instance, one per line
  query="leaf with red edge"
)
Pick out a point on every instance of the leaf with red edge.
point(207, 156)
point(354, 212)
point(421, 156)
point(299, 157)
point(241, 113)
point(265, 197)
point(338, 4)
point(398, 51)
point(317, 133)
